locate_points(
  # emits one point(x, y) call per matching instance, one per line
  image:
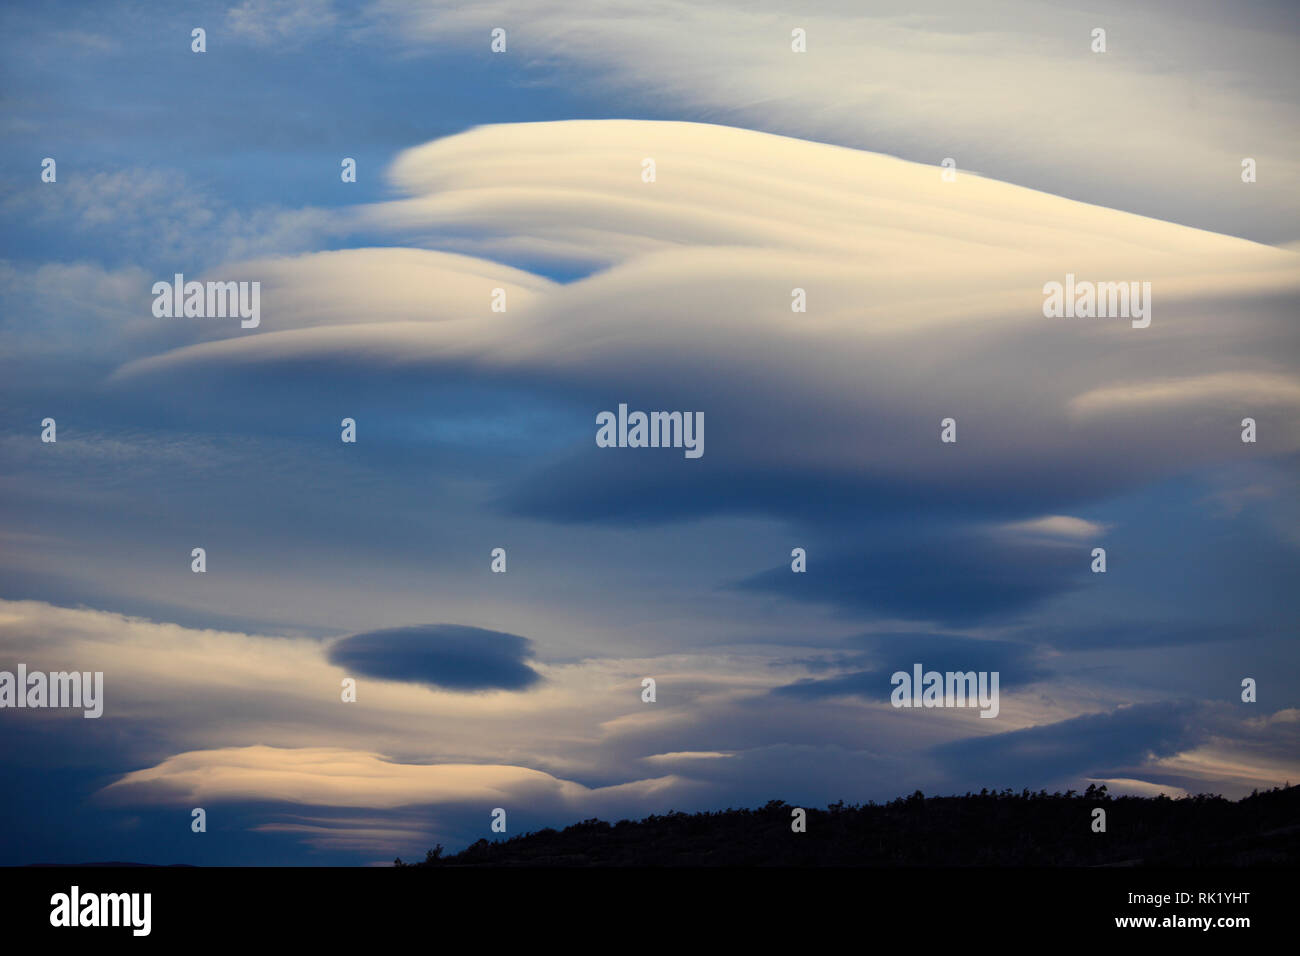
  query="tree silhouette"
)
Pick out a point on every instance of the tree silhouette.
point(991, 828)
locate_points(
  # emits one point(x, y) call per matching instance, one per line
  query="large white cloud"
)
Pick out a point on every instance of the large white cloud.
point(924, 300)
point(1159, 122)
point(330, 776)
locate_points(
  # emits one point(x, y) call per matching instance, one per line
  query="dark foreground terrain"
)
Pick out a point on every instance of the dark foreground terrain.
point(984, 829)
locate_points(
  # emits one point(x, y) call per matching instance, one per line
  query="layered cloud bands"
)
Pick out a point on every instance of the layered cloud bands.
point(257, 734)
point(924, 300)
point(826, 309)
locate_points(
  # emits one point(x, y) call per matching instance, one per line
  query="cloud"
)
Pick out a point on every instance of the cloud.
point(1234, 390)
point(920, 294)
point(71, 310)
point(1010, 90)
point(957, 578)
point(685, 755)
point(255, 722)
point(924, 302)
point(281, 22)
point(1099, 744)
point(449, 656)
point(1057, 526)
point(355, 307)
point(1016, 664)
point(156, 218)
point(334, 777)
point(1123, 786)
point(1129, 634)
point(89, 43)
point(1257, 752)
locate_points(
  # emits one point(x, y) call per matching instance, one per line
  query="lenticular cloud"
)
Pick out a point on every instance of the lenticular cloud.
point(924, 299)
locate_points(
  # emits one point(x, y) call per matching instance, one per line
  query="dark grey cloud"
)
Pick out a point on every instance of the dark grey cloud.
point(1130, 635)
point(655, 486)
point(447, 656)
point(1016, 664)
point(960, 579)
point(1091, 745)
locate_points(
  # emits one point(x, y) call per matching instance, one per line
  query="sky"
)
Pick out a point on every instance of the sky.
point(525, 171)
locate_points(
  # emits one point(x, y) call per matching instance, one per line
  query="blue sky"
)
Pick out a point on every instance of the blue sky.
point(523, 171)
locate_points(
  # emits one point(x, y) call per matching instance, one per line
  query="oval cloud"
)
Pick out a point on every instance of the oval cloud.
point(447, 656)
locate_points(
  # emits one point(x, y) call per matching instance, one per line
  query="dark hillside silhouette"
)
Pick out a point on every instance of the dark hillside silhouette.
point(985, 829)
